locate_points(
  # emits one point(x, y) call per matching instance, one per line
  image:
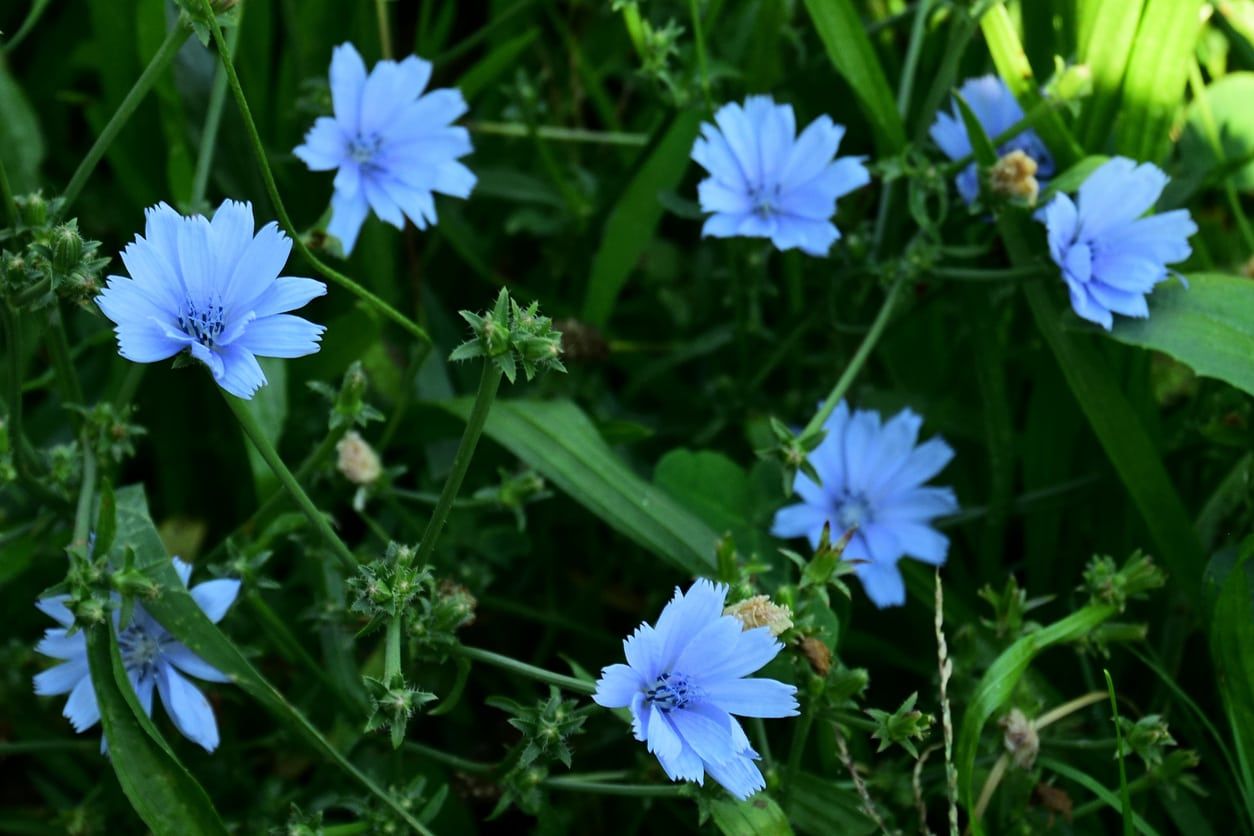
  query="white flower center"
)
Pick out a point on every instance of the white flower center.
point(852, 512)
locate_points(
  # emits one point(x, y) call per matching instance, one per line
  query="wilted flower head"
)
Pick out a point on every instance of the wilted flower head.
point(357, 460)
point(151, 656)
point(392, 144)
point(1110, 252)
point(761, 611)
point(1015, 176)
point(1021, 740)
point(213, 289)
point(873, 477)
point(998, 111)
point(683, 681)
point(767, 182)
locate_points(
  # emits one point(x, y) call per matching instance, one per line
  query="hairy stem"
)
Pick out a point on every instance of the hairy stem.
point(476, 654)
point(213, 119)
point(263, 446)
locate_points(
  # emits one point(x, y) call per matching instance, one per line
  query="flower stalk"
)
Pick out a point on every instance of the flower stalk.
point(507, 663)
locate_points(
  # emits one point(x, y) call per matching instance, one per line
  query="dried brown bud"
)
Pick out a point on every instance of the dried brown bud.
point(581, 341)
point(1015, 177)
point(817, 654)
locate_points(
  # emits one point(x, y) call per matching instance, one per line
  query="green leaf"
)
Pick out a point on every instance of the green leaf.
point(982, 147)
point(1232, 648)
point(840, 28)
point(1114, 421)
point(758, 816)
point(713, 486)
point(818, 805)
point(161, 790)
point(269, 407)
point(630, 226)
point(1153, 87)
point(998, 684)
point(21, 141)
point(1089, 783)
point(1209, 326)
point(178, 612)
point(1106, 33)
point(1012, 65)
point(557, 439)
point(1232, 119)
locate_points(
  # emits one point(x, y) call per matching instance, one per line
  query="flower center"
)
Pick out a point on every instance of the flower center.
point(852, 512)
point(363, 148)
point(204, 324)
point(763, 199)
point(671, 690)
point(140, 649)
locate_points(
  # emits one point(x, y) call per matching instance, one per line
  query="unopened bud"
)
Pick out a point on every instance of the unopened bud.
point(760, 611)
point(1020, 738)
point(33, 209)
point(357, 459)
point(817, 654)
point(1014, 176)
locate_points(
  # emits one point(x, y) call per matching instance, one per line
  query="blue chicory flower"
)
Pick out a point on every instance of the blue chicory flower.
point(1111, 253)
point(393, 144)
point(152, 657)
point(873, 477)
point(213, 289)
point(997, 111)
point(685, 679)
point(767, 182)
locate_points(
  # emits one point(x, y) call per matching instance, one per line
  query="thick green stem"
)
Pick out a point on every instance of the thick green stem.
point(23, 456)
point(160, 61)
point(213, 119)
point(392, 651)
point(62, 359)
point(859, 358)
point(530, 671)
point(699, 38)
point(488, 385)
point(263, 446)
point(459, 763)
point(908, 71)
point(86, 497)
point(385, 27)
point(558, 134)
point(573, 783)
point(800, 734)
point(259, 151)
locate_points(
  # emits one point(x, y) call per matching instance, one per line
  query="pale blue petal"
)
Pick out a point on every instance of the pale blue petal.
point(1117, 193)
point(325, 145)
point(881, 542)
point(262, 262)
point(196, 259)
point(753, 697)
point(801, 520)
point(62, 678)
point(182, 568)
point(1128, 303)
point(54, 607)
point(382, 203)
point(712, 153)
point(716, 196)
point(143, 685)
point(281, 335)
point(722, 225)
point(950, 135)
point(706, 729)
point(643, 650)
point(682, 619)
point(417, 204)
point(883, 583)
point(662, 739)
point(187, 708)
point(215, 597)
point(81, 708)
point(241, 374)
point(927, 460)
point(154, 276)
point(922, 542)
point(161, 232)
point(1061, 223)
point(454, 180)
point(58, 645)
point(861, 437)
point(810, 236)
point(147, 341)
point(741, 139)
point(381, 99)
point(348, 78)
point(189, 663)
point(348, 213)
point(231, 233)
point(812, 153)
point(916, 504)
point(895, 443)
point(618, 686)
point(750, 651)
point(740, 776)
point(1078, 263)
point(287, 293)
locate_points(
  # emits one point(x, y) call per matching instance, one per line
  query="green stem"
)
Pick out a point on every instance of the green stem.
point(6, 194)
point(459, 763)
point(859, 358)
point(392, 651)
point(160, 61)
point(917, 30)
point(86, 495)
point(259, 151)
point(213, 119)
point(796, 749)
point(350, 829)
point(573, 783)
point(977, 274)
point(1125, 794)
point(21, 747)
point(263, 446)
point(699, 37)
point(488, 385)
point(62, 360)
point(530, 671)
point(558, 134)
point(385, 28)
point(289, 646)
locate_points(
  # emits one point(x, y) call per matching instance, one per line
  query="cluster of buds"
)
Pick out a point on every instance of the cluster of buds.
point(514, 492)
point(903, 726)
point(1010, 608)
point(384, 589)
point(110, 428)
point(1014, 177)
point(392, 704)
point(510, 336)
point(1108, 584)
point(545, 726)
point(44, 260)
point(348, 403)
point(435, 620)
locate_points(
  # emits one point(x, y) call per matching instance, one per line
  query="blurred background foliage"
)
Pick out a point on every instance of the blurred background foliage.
point(582, 115)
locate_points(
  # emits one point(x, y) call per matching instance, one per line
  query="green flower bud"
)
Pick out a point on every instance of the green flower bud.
point(67, 247)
